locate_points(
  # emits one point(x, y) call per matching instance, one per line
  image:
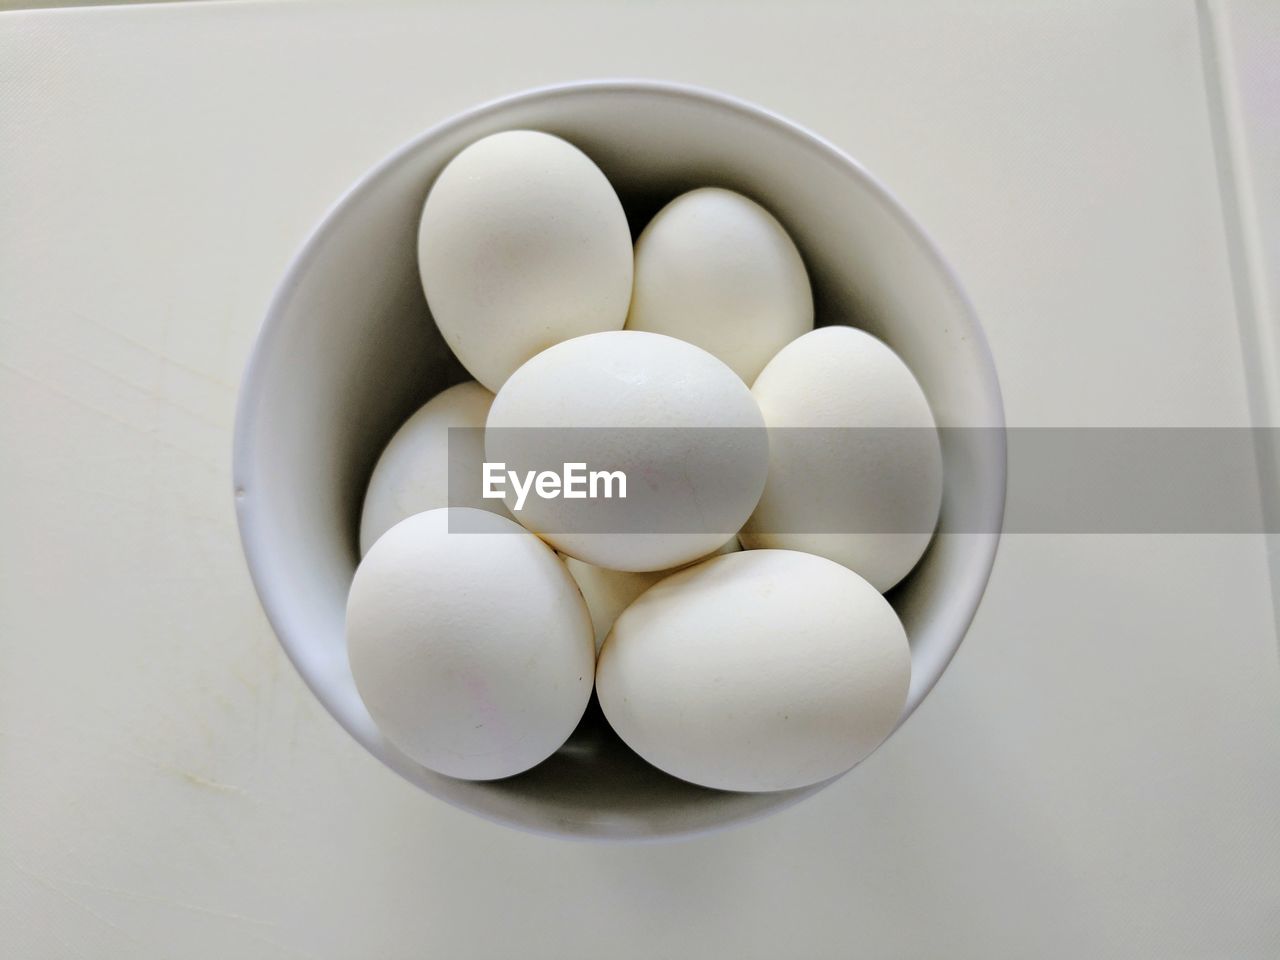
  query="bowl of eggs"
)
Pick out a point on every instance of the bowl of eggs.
point(794, 415)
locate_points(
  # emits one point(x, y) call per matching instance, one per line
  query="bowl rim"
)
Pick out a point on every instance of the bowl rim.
point(253, 384)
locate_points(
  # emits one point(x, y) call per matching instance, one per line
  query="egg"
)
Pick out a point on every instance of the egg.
point(866, 490)
point(757, 671)
point(412, 474)
point(522, 244)
point(674, 423)
point(717, 270)
point(469, 643)
point(609, 592)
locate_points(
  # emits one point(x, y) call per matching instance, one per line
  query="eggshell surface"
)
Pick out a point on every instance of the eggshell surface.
point(472, 651)
point(717, 270)
point(675, 421)
point(762, 670)
point(861, 481)
point(609, 592)
point(522, 244)
point(412, 474)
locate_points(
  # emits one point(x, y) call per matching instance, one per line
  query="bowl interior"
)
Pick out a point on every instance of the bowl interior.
point(349, 350)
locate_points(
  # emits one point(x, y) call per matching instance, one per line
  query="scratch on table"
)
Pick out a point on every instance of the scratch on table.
point(147, 430)
point(155, 352)
point(195, 779)
point(250, 683)
point(148, 392)
point(210, 784)
point(167, 902)
point(52, 887)
point(75, 349)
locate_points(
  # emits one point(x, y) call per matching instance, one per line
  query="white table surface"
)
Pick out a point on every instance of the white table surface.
point(1096, 776)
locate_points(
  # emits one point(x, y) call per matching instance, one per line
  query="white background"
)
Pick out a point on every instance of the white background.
point(1098, 773)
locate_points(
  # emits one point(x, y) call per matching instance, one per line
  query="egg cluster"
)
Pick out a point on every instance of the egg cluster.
point(735, 631)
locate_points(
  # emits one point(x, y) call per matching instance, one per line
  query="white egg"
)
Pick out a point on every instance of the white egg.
point(763, 670)
point(677, 424)
point(470, 643)
point(717, 270)
point(412, 474)
point(609, 592)
point(865, 491)
point(522, 244)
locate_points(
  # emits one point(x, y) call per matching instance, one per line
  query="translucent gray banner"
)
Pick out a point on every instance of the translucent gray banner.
point(1060, 480)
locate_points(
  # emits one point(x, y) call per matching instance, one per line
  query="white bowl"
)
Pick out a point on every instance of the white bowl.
point(348, 350)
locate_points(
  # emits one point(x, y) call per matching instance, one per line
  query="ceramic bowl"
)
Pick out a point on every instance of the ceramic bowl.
point(348, 350)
